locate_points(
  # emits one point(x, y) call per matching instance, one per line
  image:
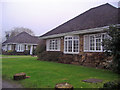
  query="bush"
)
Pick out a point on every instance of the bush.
point(26, 52)
point(112, 46)
point(10, 52)
point(49, 56)
point(112, 85)
point(41, 47)
point(34, 52)
point(13, 52)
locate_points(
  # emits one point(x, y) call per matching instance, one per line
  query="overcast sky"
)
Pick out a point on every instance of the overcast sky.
point(44, 15)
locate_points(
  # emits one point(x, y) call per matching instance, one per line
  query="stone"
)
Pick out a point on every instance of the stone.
point(19, 76)
point(92, 80)
point(64, 85)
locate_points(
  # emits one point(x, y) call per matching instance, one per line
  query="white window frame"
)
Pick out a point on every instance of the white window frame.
point(26, 47)
point(9, 47)
point(94, 42)
point(53, 48)
point(67, 52)
point(94, 35)
point(4, 47)
point(20, 48)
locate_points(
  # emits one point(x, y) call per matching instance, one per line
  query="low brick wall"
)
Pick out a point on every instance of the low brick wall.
point(98, 60)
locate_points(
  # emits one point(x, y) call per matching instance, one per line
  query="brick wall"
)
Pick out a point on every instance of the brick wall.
point(81, 44)
point(62, 44)
point(92, 59)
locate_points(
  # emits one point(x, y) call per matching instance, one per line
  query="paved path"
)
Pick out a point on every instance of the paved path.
point(6, 84)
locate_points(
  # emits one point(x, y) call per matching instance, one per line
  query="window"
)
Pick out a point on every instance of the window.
point(93, 43)
point(9, 47)
point(71, 44)
point(26, 46)
point(53, 45)
point(20, 47)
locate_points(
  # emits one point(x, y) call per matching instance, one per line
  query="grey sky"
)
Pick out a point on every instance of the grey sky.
point(44, 15)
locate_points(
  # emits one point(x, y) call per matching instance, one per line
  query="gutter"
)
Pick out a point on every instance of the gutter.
point(86, 31)
point(76, 32)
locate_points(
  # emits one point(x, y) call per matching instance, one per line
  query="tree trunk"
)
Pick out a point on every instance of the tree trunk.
point(19, 76)
point(65, 86)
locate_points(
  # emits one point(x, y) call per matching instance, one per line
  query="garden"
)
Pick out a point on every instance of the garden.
point(44, 74)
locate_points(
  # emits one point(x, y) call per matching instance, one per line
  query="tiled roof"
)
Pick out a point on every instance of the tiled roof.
point(100, 16)
point(23, 38)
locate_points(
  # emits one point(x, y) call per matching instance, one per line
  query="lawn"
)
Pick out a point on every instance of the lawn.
point(47, 74)
point(13, 55)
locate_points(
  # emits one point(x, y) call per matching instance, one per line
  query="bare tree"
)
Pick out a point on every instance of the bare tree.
point(15, 31)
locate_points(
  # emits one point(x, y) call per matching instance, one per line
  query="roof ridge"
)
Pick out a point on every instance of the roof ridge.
point(66, 26)
point(22, 37)
point(103, 5)
point(78, 16)
point(23, 33)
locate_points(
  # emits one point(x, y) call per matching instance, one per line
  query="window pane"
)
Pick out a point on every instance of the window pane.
point(75, 37)
point(86, 42)
point(75, 45)
point(91, 42)
point(103, 38)
point(53, 44)
point(70, 46)
point(69, 37)
point(98, 43)
point(66, 46)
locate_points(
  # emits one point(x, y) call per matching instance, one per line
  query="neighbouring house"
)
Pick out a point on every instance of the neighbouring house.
point(82, 35)
point(20, 43)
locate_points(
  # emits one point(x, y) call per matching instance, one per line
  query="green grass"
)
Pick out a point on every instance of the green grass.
point(47, 74)
point(13, 55)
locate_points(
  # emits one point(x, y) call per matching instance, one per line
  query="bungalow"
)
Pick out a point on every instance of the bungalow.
point(84, 33)
point(20, 43)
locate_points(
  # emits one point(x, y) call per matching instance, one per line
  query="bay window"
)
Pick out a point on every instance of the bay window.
point(71, 44)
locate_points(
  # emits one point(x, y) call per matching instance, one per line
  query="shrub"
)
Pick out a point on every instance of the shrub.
point(112, 46)
point(11, 52)
point(34, 52)
point(4, 52)
point(41, 47)
point(26, 52)
point(112, 85)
